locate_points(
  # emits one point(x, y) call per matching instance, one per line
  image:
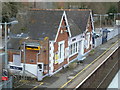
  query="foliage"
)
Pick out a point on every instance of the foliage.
point(111, 10)
point(83, 7)
point(9, 10)
point(92, 52)
point(23, 29)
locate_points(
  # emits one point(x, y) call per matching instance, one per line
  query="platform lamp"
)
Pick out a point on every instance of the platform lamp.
point(9, 23)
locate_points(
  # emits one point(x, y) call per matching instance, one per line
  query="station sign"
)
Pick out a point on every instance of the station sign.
point(33, 47)
point(16, 68)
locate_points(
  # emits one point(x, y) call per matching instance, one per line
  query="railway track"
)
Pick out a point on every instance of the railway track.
point(84, 80)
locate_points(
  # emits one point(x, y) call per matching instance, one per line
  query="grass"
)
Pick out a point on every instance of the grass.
point(92, 52)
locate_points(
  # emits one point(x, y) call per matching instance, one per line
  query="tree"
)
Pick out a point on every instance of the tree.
point(9, 10)
point(111, 10)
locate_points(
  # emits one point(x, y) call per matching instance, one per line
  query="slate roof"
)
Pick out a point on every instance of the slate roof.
point(77, 21)
point(45, 23)
point(14, 43)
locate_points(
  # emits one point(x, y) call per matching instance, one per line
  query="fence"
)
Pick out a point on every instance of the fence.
point(7, 84)
point(114, 31)
point(98, 41)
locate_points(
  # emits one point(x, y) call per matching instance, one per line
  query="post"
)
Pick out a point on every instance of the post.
point(6, 59)
point(100, 21)
point(24, 63)
point(114, 19)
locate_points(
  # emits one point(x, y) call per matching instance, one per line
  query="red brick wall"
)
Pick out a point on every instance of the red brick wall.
point(31, 55)
point(73, 57)
point(89, 30)
point(61, 36)
point(11, 53)
point(44, 52)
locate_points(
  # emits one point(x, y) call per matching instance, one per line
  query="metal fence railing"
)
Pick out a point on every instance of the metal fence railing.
point(7, 84)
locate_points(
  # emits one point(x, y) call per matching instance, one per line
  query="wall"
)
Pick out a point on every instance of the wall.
point(89, 29)
point(30, 68)
point(61, 36)
point(98, 41)
point(113, 32)
point(80, 46)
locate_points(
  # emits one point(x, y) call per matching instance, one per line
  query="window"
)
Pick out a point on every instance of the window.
point(70, 49)
point(73, 48)
point(76, 47)
point(61, 52)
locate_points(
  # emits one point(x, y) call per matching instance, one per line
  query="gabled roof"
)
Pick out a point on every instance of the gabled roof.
point(45, 23)
point(77, 21)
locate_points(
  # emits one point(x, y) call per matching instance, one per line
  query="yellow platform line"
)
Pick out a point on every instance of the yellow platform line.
point(37, 86)
point(89, 65)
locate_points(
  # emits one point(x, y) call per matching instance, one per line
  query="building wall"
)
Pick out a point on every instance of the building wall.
point(31, 56)
point(11, 53)
point(62, 36)
point(98, 41)
point(77, 39)
point(89, 30)
point(44, 55)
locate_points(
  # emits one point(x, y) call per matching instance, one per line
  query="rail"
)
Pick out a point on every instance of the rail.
point(84, 69)
point(98, 66)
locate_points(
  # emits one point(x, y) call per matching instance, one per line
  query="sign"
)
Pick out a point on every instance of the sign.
point(15, 67)
point(33, 48)
point(4, 78)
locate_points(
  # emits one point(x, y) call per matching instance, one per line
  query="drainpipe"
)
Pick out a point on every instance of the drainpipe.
point(37, 62)
point(37, 56)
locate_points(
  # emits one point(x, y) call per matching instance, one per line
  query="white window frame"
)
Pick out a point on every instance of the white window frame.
point(61, 52)
point(74, 49)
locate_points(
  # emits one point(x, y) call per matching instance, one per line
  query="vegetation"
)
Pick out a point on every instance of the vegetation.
point(111, 12)
point(9, 10)
point(92, 52)
point(23, 29)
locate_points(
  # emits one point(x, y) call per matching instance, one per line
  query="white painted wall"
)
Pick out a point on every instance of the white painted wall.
point(98, 41)
point(78, 38)
point(32, 68)
point(117, 22)
point(81, 50)
point(51, 55)
point(113, 32)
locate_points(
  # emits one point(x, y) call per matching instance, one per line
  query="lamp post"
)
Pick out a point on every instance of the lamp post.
point(24, 61)
point(13, 22)
point(100, 15)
